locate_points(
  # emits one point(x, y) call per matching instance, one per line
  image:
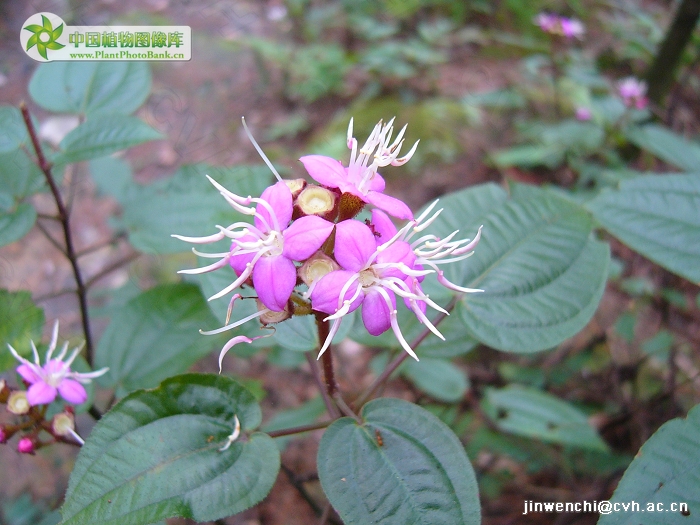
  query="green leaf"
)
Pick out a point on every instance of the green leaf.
point(529, 156)
point(438, 378)
point(15, 225)
point(187, 204)
point(19, 176)
point(542, 272)
point(112, 177)
point(533, 413)
point(103, 136)
point(21, 321)
point(666, 145)
point(91, 87)
point(13, 132)
point(157, 455)
point(154, 336)
point(300, 333)
point(419, 474)
point(657, 216)
point(665, 471)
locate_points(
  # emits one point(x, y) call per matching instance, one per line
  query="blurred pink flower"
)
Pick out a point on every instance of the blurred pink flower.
point(55, 376)
point(633, 92)
point(583, 113)
point(560, 25)
point(361, 178)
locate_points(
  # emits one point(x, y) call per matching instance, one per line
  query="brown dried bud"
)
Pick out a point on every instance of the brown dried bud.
point(4, 391)
point(315, 200)
point(350, 205)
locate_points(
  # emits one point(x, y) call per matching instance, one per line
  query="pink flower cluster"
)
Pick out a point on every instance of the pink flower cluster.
point(305, 253)
point(633, 92)
point(560, 25)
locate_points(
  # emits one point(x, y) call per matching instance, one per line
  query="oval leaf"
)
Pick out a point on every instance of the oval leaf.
point(438, 378)
point(542, 272)
point(658, 216)
point(103, 136)
point(15, 225)
point(157, 454)
point(155, 335)
point(91, 87)
point(533, 413)
point(664, 472)
point(13, 132)
point(418, 474)
point(666, 145)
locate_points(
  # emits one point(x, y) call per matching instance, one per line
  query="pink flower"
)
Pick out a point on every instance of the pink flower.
point(361, 177)
point(55, 376)
point(267, 249)
point(583, 114)
point(379, 264)
point(633, 92)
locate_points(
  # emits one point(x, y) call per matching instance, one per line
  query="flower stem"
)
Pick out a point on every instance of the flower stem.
point(298, 430)
point(391, 368)
point(63, 218)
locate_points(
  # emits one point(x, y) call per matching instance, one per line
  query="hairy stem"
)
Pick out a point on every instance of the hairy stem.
point(63, 218)
point(316, 372)
point(391, 367)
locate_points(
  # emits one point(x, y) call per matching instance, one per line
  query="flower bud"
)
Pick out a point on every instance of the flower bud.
point(295, 186)
point(17, 403)
point(63, 424)
point(315, 200)
point(26, 446)
point(3, 435)
point(4, 391)
point(316, 266)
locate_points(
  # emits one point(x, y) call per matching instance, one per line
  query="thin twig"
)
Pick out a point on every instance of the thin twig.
point(52, 295)
point(112, 267)
point(63, 216)
point(109, 242)
point(391, 368)
point(50, 238)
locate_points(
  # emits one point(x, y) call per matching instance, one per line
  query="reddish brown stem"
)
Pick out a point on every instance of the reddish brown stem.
point(63, 218)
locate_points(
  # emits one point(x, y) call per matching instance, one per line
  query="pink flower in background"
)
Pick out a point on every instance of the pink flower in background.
point(267, 249)
point(633, 92)
point(560, 25)
point(55, 376)
point(361, 177)
point(583, 114)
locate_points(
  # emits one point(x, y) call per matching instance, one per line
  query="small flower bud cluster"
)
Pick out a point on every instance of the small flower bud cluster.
point(44, 383)
point(305, 253)
point(561, 26)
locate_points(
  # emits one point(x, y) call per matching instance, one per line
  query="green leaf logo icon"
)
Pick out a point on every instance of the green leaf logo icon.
point(44, 36)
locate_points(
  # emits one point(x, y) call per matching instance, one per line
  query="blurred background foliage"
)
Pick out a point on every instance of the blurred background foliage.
point(491, 98)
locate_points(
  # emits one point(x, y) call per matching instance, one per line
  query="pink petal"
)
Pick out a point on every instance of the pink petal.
point(354, 177)
point(354, 244)
point(72, 391)
point(398, 252)
point(239, 262)
point(29, 375)
point(324, 297)
point(414, 286)
point(280, 198)
point(305, 236)
point(274, 279)
point(376, 314)
point(377, 183)
point(391, 205)
point(324, 170)
point(383, 226)
point(41, 393)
